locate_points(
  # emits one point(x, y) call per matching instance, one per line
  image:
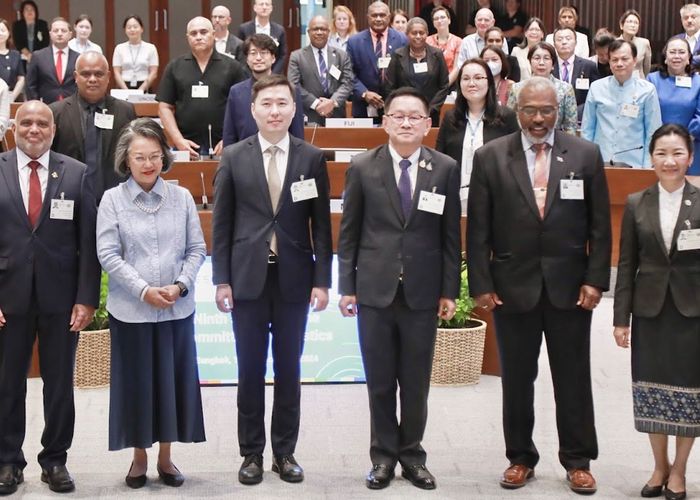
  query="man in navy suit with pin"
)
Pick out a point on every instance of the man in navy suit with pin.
point(572, 69)
point(690, 17)
point(263, 24)
point(271, 258)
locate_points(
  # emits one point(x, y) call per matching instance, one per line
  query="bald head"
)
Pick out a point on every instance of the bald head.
point(483, 21)
point(200, 36)
point(92, 76)
point(220, 19)
point(199, 21)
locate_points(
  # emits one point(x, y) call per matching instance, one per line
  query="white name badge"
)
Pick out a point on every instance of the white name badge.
point(571, 189)
point(104, 121)
point(372, 112)
point(62, 209)
point(689, 239)
point(583, 84)
point(133, 84)
point(630, 110)
point(383, 62)
point(421, 67)
point(431, 202)
point(334, 72)
point(200, 91)
point(277, 42)
point(304, 190)
point(684, 81)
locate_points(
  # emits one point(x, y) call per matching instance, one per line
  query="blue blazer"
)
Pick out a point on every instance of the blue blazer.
point(364, 65)
point(696, 50)
point(239, 123)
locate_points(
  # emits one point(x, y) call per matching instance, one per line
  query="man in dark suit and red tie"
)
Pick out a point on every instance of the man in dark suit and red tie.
point(50, 72)
point(49, 287)
point(399, 269)
point(271, 257)
point(538, 252)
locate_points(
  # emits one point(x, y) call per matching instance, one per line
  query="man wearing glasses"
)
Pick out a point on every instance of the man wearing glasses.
point(538, 253)
point(399, 269)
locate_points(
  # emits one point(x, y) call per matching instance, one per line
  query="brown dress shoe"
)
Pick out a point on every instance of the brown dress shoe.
point(516, 476)
point(581, 481)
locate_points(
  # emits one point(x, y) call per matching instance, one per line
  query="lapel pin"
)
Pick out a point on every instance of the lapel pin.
point(54, 175)
point(687, 223)
point(687, 203)
point(560, 159)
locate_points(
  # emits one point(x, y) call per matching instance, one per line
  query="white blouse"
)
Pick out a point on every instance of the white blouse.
point(669, 207)
point(134, 60)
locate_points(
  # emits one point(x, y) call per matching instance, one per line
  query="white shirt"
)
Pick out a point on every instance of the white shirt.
point(570, 67)
point(74, 45)
point(24, 171)
point(259, 28)
point(473, 140)
point(471, 47)
point(221, 44)
point(412, 170)
point(280, 157)
point(134, 60)
point(530, 154)
point(64, 59)
point(692, 40)
point(669, 207)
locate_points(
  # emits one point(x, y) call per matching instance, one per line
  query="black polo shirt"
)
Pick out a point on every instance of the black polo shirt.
point(192, 114)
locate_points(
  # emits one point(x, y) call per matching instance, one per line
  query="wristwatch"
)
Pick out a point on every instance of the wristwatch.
point(183, 289)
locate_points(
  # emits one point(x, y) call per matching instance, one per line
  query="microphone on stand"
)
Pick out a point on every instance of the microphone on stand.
point(622, 164)
point(211, 149)
point(205, 200)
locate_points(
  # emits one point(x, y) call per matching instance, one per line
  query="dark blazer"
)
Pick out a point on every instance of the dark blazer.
point(513, 68)
point(377, 245)
point(234, 47)
point(277, 32)
point(583, 68)
point(696, 50)
point(41, 35)
point(434, 88)
point(645, 272)
point(451, 135)
point(303, 72)
point(238, 119)
point(244, 220)
point(511, 250)
point(57, 258)
point(364, 66)
point(70, 136)
point(42, 82)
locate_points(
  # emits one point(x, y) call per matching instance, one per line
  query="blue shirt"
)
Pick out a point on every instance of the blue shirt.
point(605, 123)
point(680, 105)
point(139, 249)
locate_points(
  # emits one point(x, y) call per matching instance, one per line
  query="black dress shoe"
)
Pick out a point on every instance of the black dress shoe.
point(652, 491)
point(419, 476)
point(135, 481)
point(251, 471)
point(10, 477)
point(58, 478)
point(173, 480)
point(288, 468)
point(380, 476)
point(673, 495)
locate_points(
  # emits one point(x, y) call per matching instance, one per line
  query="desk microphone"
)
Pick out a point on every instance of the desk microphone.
point(612, 163)
point(313, 135)
point(211, 149)
point(205, 201)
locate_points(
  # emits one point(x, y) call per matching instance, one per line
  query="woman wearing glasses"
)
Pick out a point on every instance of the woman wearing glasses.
point(150, 243)
point(420, 66)
point(475, 120)
point(543, 58)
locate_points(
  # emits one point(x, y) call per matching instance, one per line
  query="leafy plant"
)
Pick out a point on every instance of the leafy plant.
point(465, 304)
point(101, 319)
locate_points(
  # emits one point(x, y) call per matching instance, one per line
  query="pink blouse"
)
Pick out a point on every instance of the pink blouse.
point(450, 49)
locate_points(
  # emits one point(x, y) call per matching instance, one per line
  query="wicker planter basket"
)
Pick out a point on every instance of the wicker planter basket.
point(92, 359)
point(459, 353)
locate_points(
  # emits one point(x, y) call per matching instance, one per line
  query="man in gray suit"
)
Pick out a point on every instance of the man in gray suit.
point(322, 73)
point(399, 269)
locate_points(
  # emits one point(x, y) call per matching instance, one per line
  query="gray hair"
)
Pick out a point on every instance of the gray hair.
point(416, 20)
point(140, 127)
point(690, 7)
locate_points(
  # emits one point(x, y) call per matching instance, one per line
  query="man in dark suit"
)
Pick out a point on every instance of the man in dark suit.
point(271, 258)
point(572, 69)
point(89, 122)
point(399, 269)
point(239, 124)
point(50, 71)
point(49, 287)
point(690, 17)
point(263, 24)
point(538, 253)
point(322, 74)
point(226, 43)
point(370, 52)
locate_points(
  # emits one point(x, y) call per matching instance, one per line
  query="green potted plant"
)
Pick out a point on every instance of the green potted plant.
point(459, 344)
point(92, 358)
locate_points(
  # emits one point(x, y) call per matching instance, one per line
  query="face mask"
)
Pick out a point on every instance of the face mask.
point(495, 67)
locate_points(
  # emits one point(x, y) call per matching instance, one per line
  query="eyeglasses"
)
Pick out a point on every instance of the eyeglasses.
point(413, 120)
point(476, 79)
point(531, 111)
point(261, 53)
point(318, 28)
point(142, 160)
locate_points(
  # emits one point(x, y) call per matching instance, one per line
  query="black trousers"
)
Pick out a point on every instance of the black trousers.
point(57, 356)
point(567, 333)
point(397, 345)
point(253, 323)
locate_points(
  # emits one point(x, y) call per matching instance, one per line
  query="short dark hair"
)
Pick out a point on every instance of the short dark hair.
point(672, 129)
point(603, 38)
point(618, 43)
point(494, 28)
point(558, 29)
point(28, 2)
point(440, 8)
point(273, 80)
point(135, 18)
point(59, 19)
point(260, 41)
point(83, 17)
point(544, 46)
point(407, 92)
point(140, 127)
point(505, 67)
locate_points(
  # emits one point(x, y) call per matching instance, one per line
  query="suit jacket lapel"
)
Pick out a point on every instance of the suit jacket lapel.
point(107, 134)
point(311, 61)
point(422, 180)
point(11, 175)
point(557, 171)
point(518, 165)
point(651, 202)
point(258, 165)
point(389, 181)
point(52, 186)
point(690, 201)
point(290, 175)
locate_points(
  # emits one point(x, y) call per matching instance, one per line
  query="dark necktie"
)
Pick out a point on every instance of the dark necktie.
point(565, 72)
point(34, 193)
point(379, 53)
point(323, 71)
point(405, 188)
point(90, 140)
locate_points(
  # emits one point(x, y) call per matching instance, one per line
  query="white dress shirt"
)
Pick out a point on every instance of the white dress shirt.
point(259, 28)
point(280, 158)
point(412, 170)
point(692, 40)
point(473, 140)
point(24, 171)
point(530, 154)
point(64, 59)
point(220, 44)
point(669, 207)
